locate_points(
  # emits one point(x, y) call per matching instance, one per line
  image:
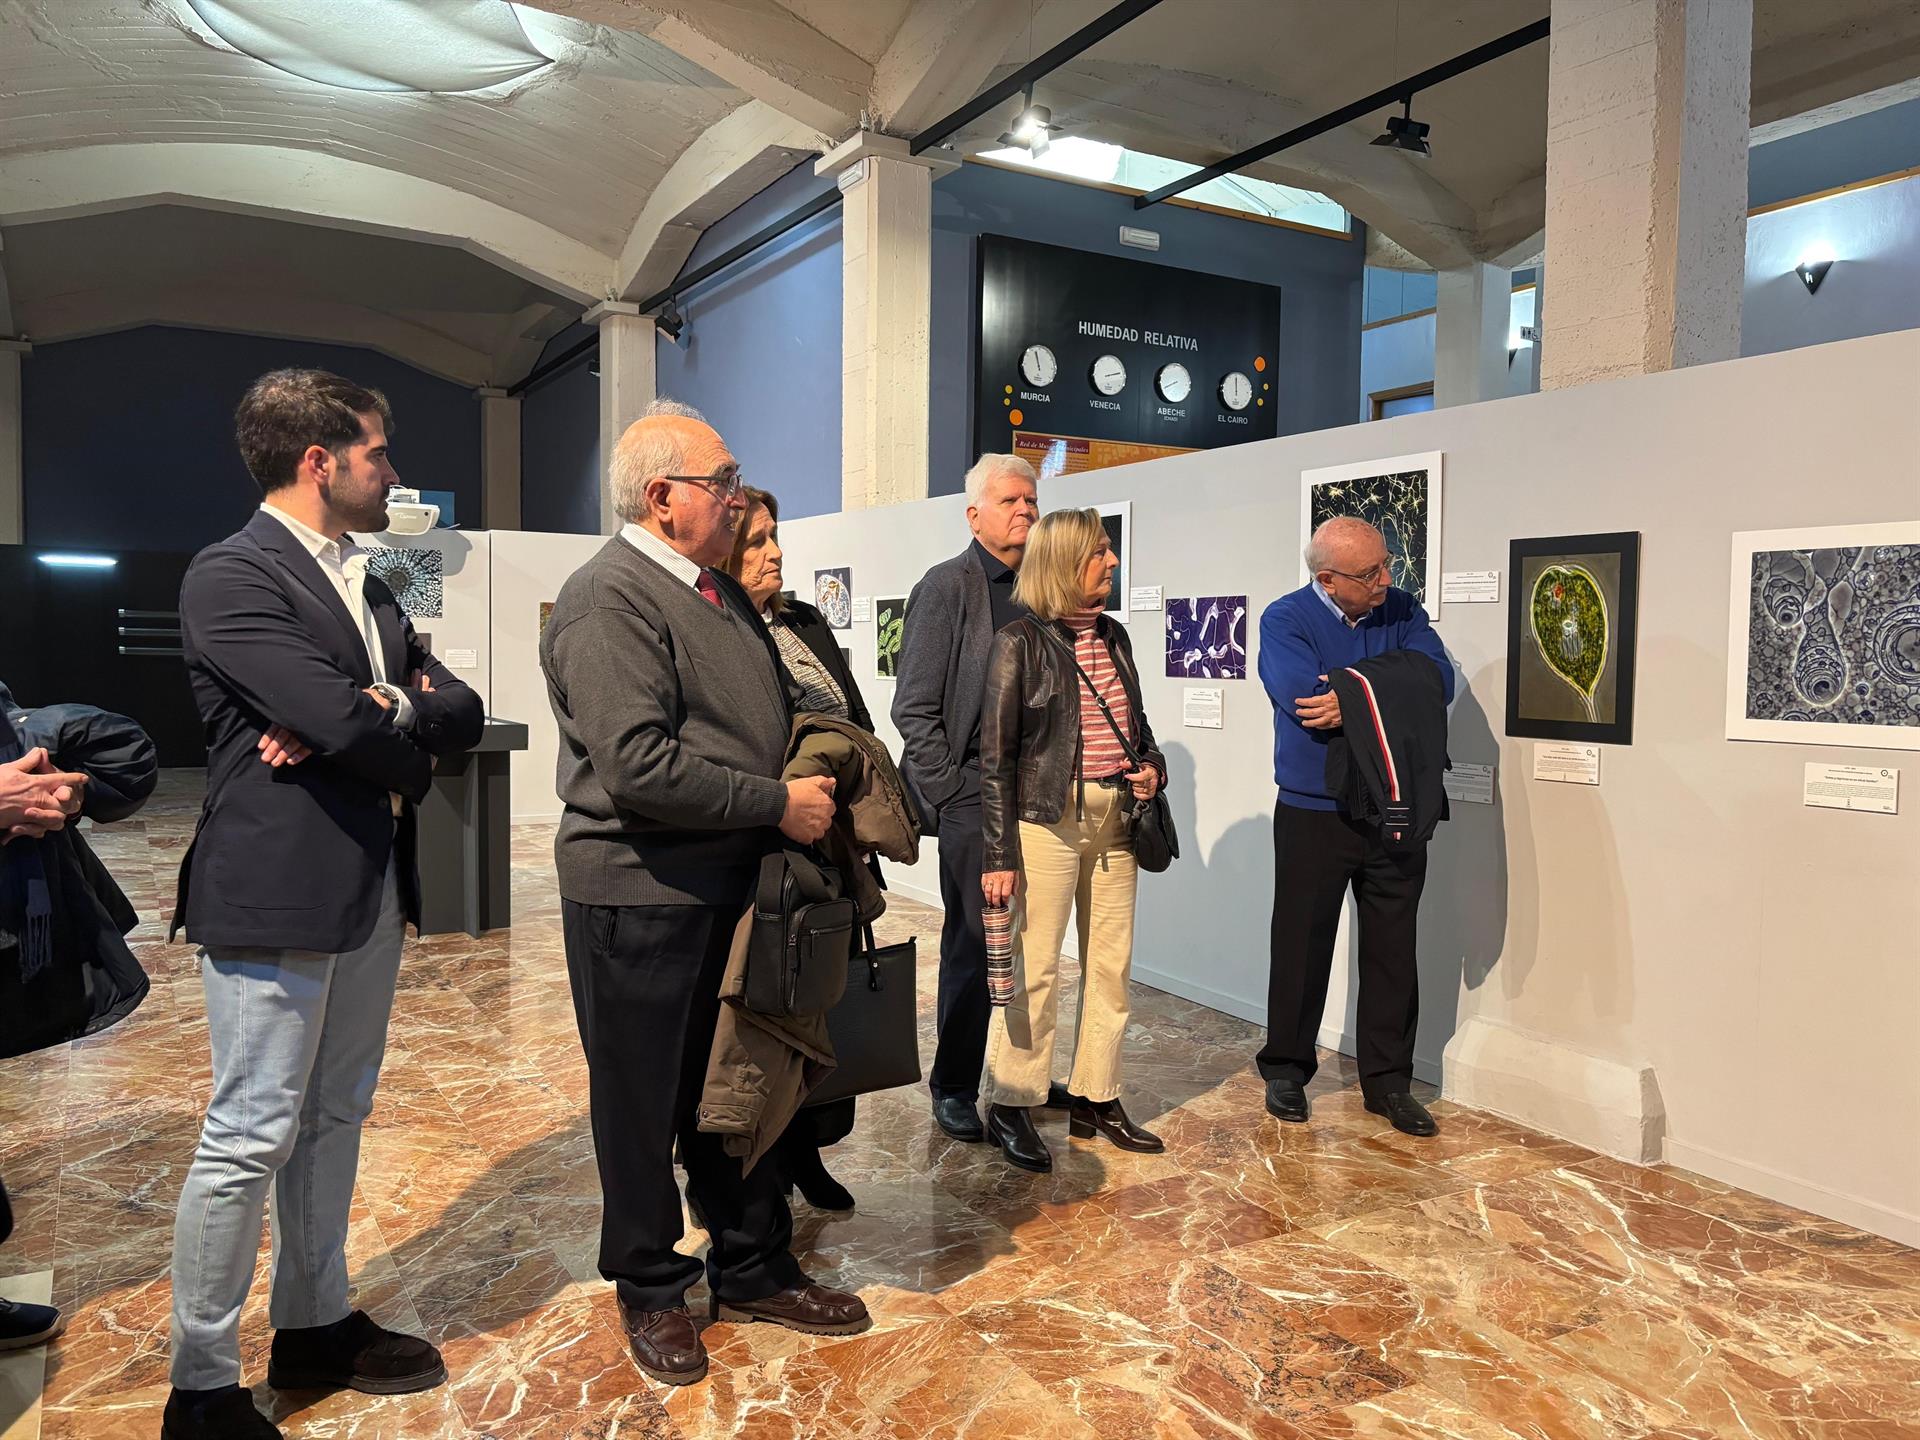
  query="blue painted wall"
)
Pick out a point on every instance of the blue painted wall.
point(1863, 148)
point(560, 445)
point(1318, 351)
point(128, 438)
point(760, 354)
point(1398, 292)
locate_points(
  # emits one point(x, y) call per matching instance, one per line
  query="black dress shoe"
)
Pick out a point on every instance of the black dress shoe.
point(223, 1414)
point(1408, 1115)
point(1110, 1120)
point(959, 1117)
point(1058, 1096)
point(665, 1343)
point(805, 1169)
point(353, 1354)
point(1011, 1128)
point(1287, 1100)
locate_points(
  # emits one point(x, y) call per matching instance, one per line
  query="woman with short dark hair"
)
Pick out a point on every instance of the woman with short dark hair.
point(822, 682)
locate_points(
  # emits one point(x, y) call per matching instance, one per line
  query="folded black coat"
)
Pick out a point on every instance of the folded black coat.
point(93, 979)
point(1388, 762)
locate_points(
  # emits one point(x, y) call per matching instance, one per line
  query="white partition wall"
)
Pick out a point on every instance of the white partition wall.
point(528, 570)
point(457, 626)
point(1688, 916)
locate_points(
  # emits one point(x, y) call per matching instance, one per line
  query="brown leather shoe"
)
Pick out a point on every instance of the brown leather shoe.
point(665, 1344)
point(809, 1308)
point(1109, 1119)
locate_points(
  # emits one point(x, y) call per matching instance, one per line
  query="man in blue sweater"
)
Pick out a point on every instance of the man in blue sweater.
point(1346, 613)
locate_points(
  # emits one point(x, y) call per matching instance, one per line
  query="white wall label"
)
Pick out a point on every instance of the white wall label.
point(1203, 708)
point(1569, 764)
point(1145, 597)
point(1469, 587)
point(463, 659)
point(1469, 784)
point(1873, 788)
point(862, 609)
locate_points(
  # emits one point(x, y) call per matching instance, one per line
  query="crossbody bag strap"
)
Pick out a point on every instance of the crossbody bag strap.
point(1126, 745)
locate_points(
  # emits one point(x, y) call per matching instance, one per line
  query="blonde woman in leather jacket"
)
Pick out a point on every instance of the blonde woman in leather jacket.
point(1057, 792)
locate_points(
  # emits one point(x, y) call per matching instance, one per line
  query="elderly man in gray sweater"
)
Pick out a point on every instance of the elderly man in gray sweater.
point(673, 718)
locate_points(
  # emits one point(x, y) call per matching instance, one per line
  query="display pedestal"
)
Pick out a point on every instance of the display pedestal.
point(465, 844)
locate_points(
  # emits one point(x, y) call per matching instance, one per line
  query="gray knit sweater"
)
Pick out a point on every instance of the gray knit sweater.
point(673, 728)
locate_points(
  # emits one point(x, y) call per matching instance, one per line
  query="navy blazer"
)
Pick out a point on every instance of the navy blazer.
point(295, 858)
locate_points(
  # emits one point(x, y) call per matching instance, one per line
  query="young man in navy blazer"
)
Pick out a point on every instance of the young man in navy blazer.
point(323, 713)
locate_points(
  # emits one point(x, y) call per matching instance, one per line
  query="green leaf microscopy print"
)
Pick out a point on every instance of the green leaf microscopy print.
point(1569, 621)
point(889, 621)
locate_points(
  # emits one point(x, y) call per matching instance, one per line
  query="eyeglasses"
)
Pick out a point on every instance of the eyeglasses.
point(724, 485)
point(1382, 571)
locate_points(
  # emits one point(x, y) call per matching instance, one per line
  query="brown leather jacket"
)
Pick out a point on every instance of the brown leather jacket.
point(1030, 729)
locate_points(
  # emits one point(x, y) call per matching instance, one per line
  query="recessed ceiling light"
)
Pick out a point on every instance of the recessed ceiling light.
point(423, 46)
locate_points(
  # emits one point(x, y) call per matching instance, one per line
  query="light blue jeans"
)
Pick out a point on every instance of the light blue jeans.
point(297, 1039)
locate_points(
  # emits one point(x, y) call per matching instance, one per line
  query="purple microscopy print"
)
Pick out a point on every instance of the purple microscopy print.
point(1207, 638)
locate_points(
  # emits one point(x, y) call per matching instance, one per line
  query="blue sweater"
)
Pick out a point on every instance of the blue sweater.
point(1301, 639)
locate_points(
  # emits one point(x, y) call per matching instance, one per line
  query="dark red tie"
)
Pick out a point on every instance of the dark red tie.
point(706, 586)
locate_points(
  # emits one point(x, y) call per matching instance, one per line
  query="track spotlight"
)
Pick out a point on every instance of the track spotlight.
point(1033, 128)
point(670, 322)
point(1403, 132)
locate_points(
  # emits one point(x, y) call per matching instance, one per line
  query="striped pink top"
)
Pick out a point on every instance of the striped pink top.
point(1100, 752)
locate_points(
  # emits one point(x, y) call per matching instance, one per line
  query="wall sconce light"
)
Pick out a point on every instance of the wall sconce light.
point(1812, 269)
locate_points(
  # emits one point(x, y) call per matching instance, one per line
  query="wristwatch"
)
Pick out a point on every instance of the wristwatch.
point(390, 693)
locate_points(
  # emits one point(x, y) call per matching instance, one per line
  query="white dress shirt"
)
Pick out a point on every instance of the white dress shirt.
point(345, 564)
point(656, 549)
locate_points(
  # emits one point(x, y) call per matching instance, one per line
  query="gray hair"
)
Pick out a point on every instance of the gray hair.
point(645, 451)
point(990, 465)
point(1321, 544)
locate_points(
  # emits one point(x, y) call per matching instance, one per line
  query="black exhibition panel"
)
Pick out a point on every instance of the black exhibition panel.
point(106, 635)
point(1110, 349)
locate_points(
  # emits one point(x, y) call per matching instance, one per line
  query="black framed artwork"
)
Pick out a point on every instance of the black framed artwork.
point(1573, 606)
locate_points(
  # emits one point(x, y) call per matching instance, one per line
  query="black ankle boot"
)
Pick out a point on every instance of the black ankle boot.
point(1110, 1120)
point(805, 1169)
point(1011, 1128)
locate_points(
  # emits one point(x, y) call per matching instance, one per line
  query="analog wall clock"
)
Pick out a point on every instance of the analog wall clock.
point(1038, 366)
point(1109, 376)
point(1236, 391)
point(1173, 382)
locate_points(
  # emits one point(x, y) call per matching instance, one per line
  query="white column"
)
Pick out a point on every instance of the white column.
point(499, 458)
point(1470, 324)
point(626, 383)
point(1647, 122)
point(13, 508)
point(886, 293)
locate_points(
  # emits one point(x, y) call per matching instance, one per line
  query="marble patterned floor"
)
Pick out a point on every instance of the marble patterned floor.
point(1335, 1280)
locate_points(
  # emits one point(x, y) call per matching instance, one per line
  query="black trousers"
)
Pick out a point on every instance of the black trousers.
point(646, 993)
point(1317, 854)
point(960, 1052)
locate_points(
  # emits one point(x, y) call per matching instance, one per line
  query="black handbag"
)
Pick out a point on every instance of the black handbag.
point(801, 938)
point(1155, 843)
point(875, 1027)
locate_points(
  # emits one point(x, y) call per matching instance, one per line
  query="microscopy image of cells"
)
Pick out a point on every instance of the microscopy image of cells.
point(1833, 636)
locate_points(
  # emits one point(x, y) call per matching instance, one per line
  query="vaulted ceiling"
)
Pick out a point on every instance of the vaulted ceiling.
point(593, 176)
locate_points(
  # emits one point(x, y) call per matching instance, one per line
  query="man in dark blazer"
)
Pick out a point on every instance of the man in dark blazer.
point(323, 713)
point(673, 718)
point(952, 616)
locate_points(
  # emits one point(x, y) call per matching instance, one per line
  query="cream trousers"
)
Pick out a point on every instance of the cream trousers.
point(1083, 864)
